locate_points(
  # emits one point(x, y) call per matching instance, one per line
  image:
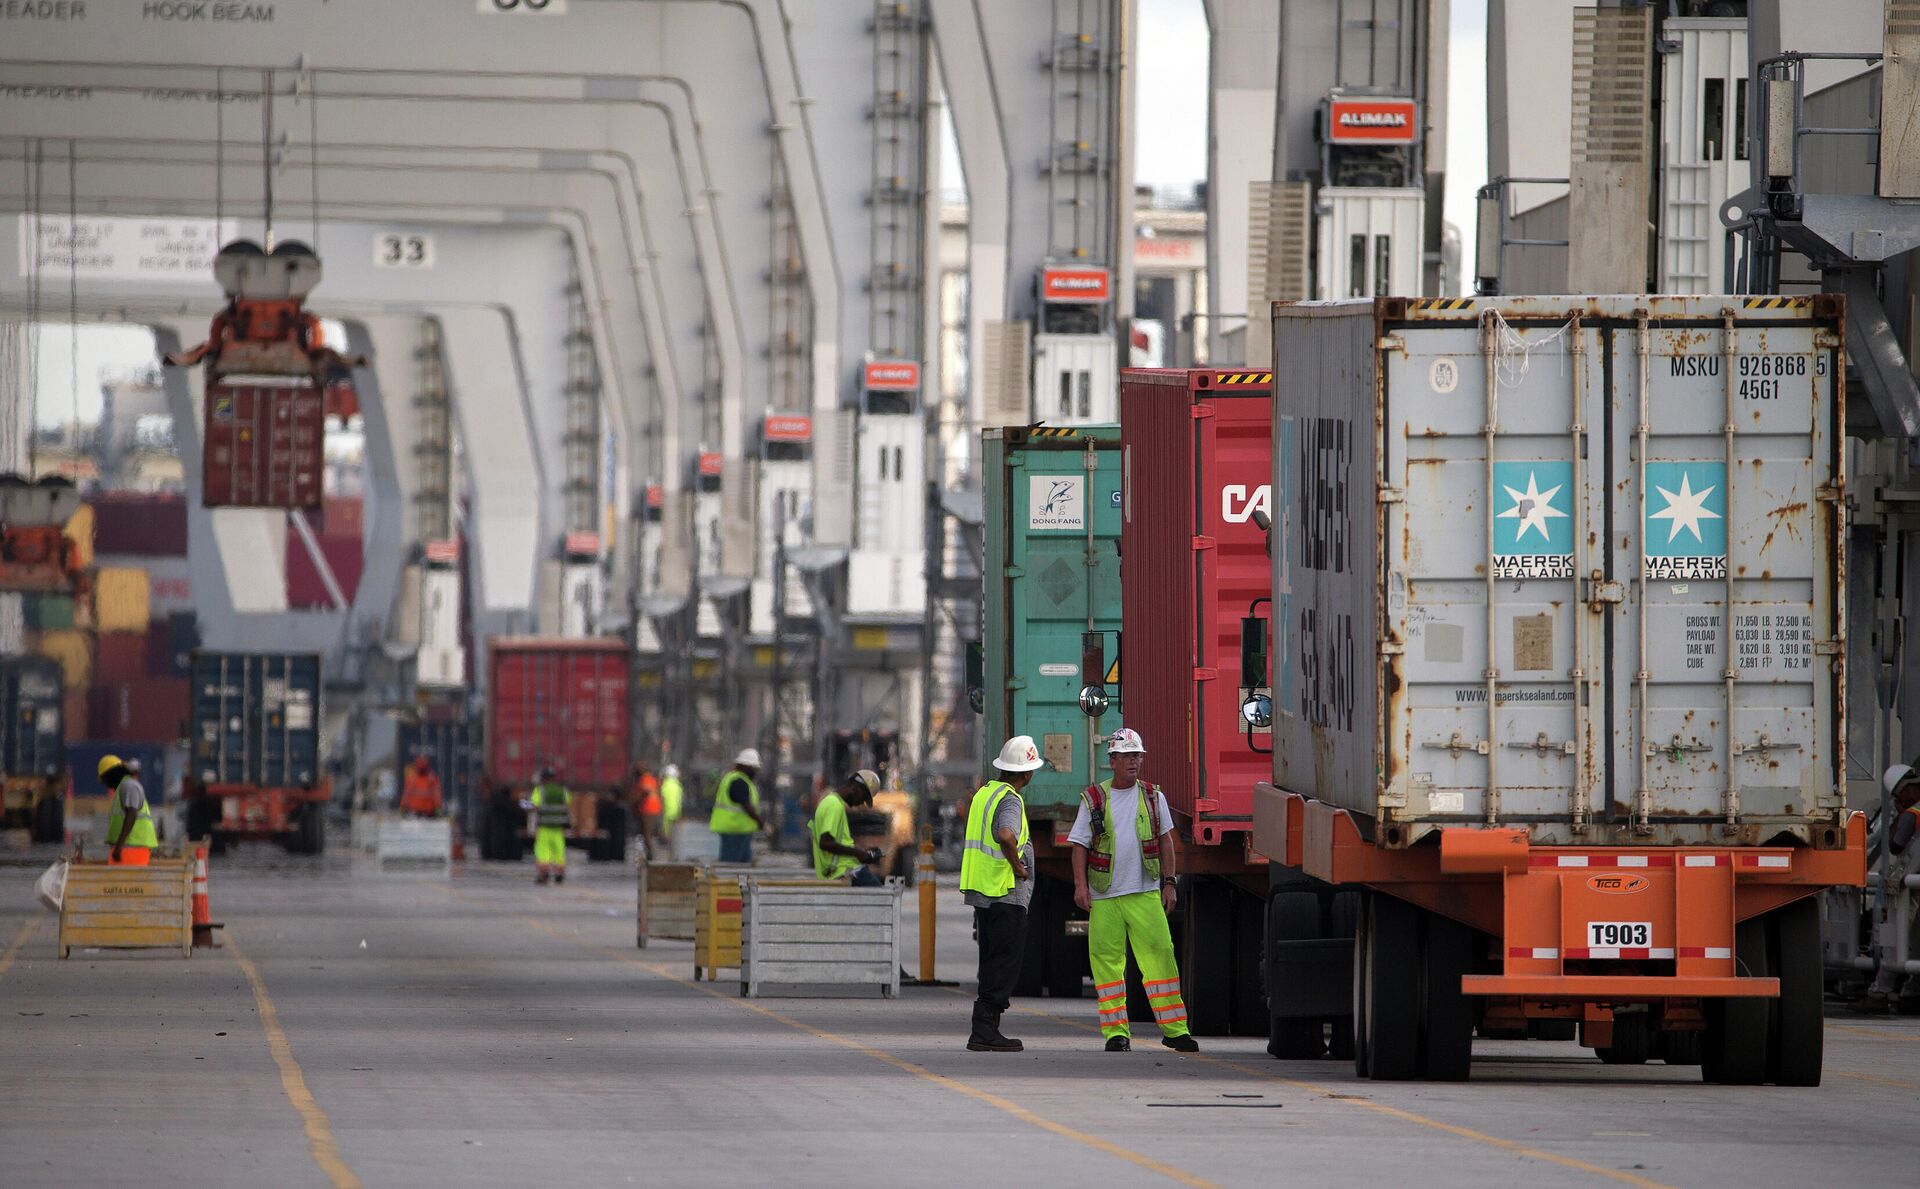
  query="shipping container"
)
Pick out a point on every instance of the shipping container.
point(254, 764)
point(79, 530)
point(33, 767)
point(82, 764)
point(306, 588)
point(49, 612)
point(139, 710)
point(171, 643)
point(1196, 464)
point(74, 650)
point(1052, 566)
point(564, 704)
point(1556, 588)
point(121, 600)
point(140, 525)
point(451, 736)
point(265, 446)
point(119, 656)
point(561, 703)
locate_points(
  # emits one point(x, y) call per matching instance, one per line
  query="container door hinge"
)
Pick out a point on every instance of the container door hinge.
point(1392, 648)
point(1826, 340)
point(1828, 647)
point(1200, 673)
point(1457, 743)
point(1016, 683)
point(1830, 493)
point(1202, 412)
point(1016, 571)
point(1599, 592)
point(1391, 495)
point(1390, 342)
point(1200, 543)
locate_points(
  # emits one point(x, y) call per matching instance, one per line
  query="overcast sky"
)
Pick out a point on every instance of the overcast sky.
point(1170, 151)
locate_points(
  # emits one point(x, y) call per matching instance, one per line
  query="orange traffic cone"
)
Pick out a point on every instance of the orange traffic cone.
point(202, 909)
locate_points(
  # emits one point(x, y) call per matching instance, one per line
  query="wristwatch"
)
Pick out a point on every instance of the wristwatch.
point(1167, 881)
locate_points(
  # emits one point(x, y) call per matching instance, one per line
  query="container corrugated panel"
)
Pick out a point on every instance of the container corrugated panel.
point(1197, 466)
point(345, 557)
point(140, 525)
point(121, 601)
point(119, 656)
point(1600, 602)
point(48, 612)
point(32, 730)
point(450, 736)
point(265, 446)
point(558, 702)
point(1052, 570)
point(73, 649)
point(83, 761)
point(255, 719)
point(140, 710)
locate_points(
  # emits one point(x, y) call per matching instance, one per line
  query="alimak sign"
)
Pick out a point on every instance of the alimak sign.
point(893, 375)
point(1075, 284)
point(1373, 121)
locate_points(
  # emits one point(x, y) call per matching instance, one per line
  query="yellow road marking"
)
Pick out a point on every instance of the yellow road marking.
point(959, 1087)
point(1875, 1033)
point(320, 1141)
point(19, 940)
point(1395, 1112)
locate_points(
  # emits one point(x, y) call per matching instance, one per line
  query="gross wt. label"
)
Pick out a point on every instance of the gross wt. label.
point(1619, 934)
point(265, 446)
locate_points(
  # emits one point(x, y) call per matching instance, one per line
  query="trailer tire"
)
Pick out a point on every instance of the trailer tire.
point(202, 812)
point(1393, 996)
point(1632, 1041)
point(1206, 957)
point(1032, 982)
point(1798, 1023)
point(1292, 916)
point(1735, 1052)
point(508, 846)
point(1679, 1048)
point(1446, 1039)
point(609, 817)
point(1250, 1016)
point(1362, 975)
point(50, 819)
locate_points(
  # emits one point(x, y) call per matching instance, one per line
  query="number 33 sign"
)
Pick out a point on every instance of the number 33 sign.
point(397, 250)
point(538, 7)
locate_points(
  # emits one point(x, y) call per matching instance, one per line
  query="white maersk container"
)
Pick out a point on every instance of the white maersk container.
point(1598, 602)
point(1703, 112)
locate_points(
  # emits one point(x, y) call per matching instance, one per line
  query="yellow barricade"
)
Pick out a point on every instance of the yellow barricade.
point(107, 907)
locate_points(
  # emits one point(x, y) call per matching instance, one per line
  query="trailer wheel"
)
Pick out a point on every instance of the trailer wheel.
point(50, 819)
point(1392, 1027)
point(1250, 1016)
point(1632, 1041)
point(1033, 961)
point(1798, 1026)
point(1206, 958)
point(507, 843)
point(313, 828)
point(1343, 915)
point(1735, 1051)
point(1292, 916)
point(202, 812)
point(1679, 1048)
point(1446, 1039)
point(1362, 976)
point(611, 817)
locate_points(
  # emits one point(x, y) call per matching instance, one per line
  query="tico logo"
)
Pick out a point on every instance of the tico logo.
point(1618, 885)
point(1238, 503)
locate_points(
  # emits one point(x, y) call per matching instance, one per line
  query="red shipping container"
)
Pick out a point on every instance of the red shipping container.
point(343, 516)
point(139, 524)
point(558, 702)
point(151, 710)
point(306, 590)
point(1193, 562)
point(120, 656)
point(265, 446)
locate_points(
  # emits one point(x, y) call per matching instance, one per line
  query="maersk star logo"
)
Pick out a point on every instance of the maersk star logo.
point(1532, 508)
point(1685, 509)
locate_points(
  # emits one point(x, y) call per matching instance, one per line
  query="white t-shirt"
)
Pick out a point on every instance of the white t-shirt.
point(1122, 808)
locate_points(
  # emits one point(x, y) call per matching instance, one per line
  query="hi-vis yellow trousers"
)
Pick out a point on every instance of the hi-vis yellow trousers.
point(1138, 920)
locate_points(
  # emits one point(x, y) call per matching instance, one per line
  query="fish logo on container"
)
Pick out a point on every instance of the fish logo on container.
point(1685, 523)
point(1056, 502)
point(1533, 519)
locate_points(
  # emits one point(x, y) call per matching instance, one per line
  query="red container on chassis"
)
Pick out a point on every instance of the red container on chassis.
point(139, 525)
point(558, 702)
point(264, 446)
point(1197, 466)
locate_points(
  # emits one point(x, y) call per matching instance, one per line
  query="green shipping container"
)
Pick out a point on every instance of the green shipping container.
point(49, 612)
point(1052, 574)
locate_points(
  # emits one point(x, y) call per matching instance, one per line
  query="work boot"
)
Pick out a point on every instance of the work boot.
point(1119, 1044)
point(540, 877)
point(560, 876)
point(1181, 1044)
point(986, 1037)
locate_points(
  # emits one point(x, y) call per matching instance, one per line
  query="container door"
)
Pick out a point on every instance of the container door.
point(1493, 514)
point(1064, 529)
point(1724, 469)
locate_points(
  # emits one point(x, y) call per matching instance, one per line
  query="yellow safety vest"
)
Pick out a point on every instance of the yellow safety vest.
point(142, 833)
point(1146, 827)
point(550, 802)
point(983, 865)
point(729, 818)
point(671, 796)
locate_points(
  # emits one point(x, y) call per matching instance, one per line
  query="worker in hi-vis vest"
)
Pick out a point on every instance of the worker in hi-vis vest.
point(834, 854)
point(736, 808)
point(552, 807)
point(673, 799)
point(130, 836)
point(996, 879)
point(1123, 869)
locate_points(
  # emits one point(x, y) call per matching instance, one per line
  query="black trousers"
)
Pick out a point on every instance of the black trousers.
point(1002, 930)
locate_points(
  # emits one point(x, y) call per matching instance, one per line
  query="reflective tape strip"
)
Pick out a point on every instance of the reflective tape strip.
point(1633, 860)
point(1705, 951)
point(1179, 1019)
point(1777, 861)
point(1107, 1004)
point(1522, 951)
point(1600, 861)
point(1164, 982)
point(1101, 988)
point(1704, 860)
point(983, 848)
point(1612, 952)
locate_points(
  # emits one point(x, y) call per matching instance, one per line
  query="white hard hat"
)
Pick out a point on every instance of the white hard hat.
point(673, 770)
point(1126, 741)
point(1894, 776)
point(1019, 755)
point(749, 757)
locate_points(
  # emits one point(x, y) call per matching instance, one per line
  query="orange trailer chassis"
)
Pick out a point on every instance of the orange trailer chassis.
point(1540, 902)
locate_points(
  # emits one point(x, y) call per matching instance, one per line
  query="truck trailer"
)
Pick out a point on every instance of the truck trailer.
point(1557, 668)
point(33, 747)
point(563, 704)
point(253, 767)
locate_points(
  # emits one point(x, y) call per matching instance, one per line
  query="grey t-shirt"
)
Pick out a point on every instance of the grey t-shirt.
point(132, 795)
point(1006, 816)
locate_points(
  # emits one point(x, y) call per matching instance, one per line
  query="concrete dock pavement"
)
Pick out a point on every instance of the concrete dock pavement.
point(485, 1031)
